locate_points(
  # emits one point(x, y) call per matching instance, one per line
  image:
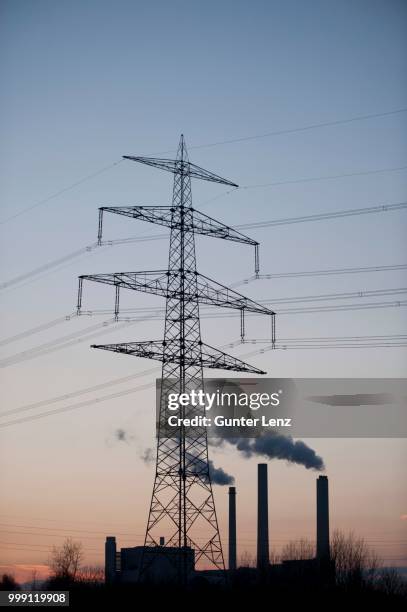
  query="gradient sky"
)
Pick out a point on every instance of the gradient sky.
point(86, 82)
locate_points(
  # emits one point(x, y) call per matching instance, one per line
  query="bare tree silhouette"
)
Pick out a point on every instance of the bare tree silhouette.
point(391, 582)
point(91, 574)
point(298, 550)
point(354, 561)
point(65, 560)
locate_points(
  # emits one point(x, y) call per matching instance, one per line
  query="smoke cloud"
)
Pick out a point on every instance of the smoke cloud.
point(121, 435)
point(148, 456)
point(277, 446)
point(219, 476)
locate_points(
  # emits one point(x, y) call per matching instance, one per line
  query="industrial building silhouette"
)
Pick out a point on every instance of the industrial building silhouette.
point(124, 565)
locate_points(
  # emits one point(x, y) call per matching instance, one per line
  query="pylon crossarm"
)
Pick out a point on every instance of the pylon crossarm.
point(150, 349)
point(213, 293)
point(155, 282)
point(162, 215)
point(154, 349)
point(181, 167)
point(206, 225)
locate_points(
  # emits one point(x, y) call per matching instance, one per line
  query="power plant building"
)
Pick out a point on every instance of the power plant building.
point(164, 561)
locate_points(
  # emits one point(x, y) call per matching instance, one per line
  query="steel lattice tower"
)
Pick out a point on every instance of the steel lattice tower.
point(182, 505)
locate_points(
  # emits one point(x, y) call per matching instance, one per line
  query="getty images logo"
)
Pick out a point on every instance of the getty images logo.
point(218, 398)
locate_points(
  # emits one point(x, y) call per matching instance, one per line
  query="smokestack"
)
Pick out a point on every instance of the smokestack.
point(110, 559)
point(262, 517)
point(232, 528)
point(322, 518)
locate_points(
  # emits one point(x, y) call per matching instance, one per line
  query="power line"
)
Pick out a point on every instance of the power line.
point(326, 272)
point(83, 391)
point(323, 178)
point(212, 144)
point(275, 275)
point(349, 212)
point(303, 128)
point(381, 535)
point(83, 404)
point(61, 340)
point(348, 343)
point(336, 296)
point(51, 264)
point(102, 534)
point(328, 339)
point(226, 315)
point(79, 337)
point(147, 238)
point(281, 311)
point(92, 246)
point(60, 192)
point(307, 180)
point(72, 340)
point(285, 311)
point(360, 293)
point(323, 216)
point(343, 307)
point(54, 322)
point(41, 548)
point(44, 535)
point(137, 537)
point(34, 276)
point(312, 309)
point(79, 392)
point(149, 371)
point(82, 537)
point(335, 342)
point(62, 262)
point(157, 311)
point(247, 538)
point(87, 531)
point(38, 328)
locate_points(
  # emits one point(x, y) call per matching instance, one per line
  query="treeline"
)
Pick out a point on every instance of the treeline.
point(355, 575)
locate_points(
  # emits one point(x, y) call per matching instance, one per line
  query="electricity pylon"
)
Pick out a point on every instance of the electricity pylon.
point(182, 504)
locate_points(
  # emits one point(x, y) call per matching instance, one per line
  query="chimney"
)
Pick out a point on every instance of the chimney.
point(262, 517)
point(232, 528)
point(322, 518)
point(110, 559)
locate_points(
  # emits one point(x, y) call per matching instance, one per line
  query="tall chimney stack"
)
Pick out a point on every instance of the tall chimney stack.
point(232, 528)
point(110, 559)
point(262, 517)
point(322, 518)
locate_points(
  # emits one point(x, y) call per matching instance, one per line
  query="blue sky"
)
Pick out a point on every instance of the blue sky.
point(87, 82)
